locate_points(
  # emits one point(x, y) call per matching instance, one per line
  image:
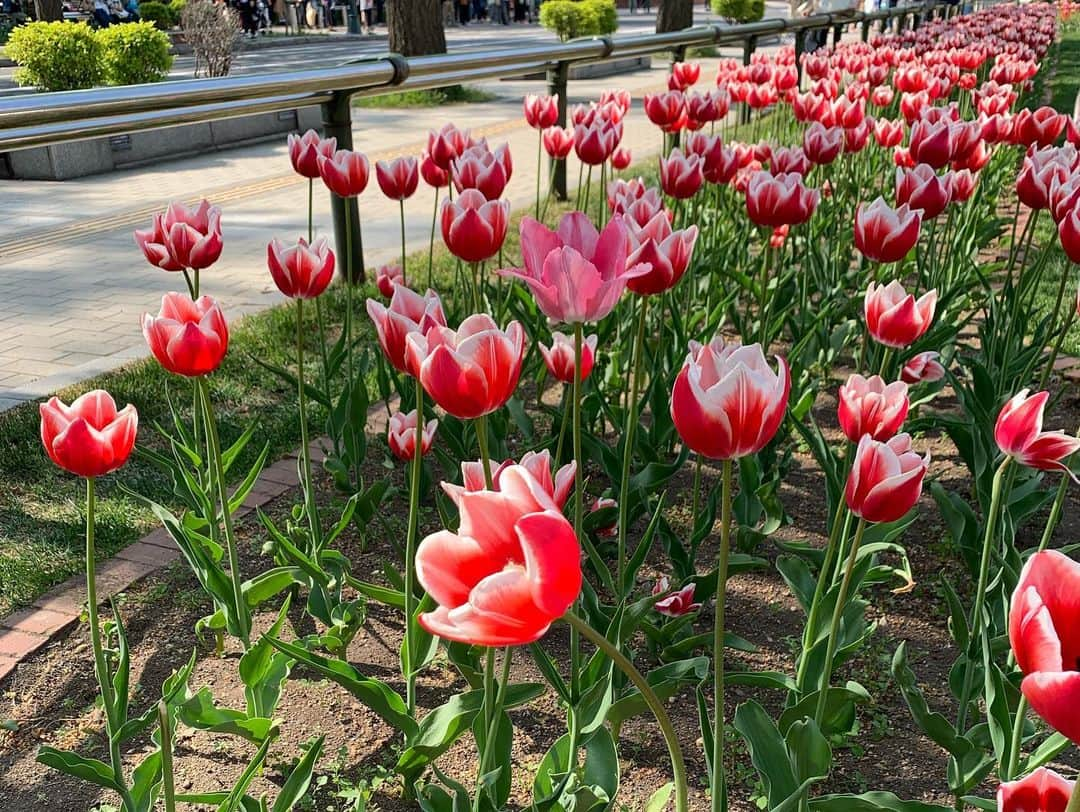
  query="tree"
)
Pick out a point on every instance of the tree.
point(674, 15)
point(416, 27)
point(49, 10)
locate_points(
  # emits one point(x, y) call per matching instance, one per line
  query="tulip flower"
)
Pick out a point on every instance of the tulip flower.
point(1040, 127)
point(511, 569)
point(929, 143)
point(822, 144)
point(1069, 233)
point(559, 359)
point(727, 403)
point(447, 144)
point(434, 176)
point(622, 193)
point(557, 484)
point(89, 438)
point(345, 173)
point(678, 603)
point(888, 133)
point(777, 200)
point(387, 277)
point(923, 368)
point(790, 160)
point(479, 168)
point(594, 143)
point(666, 110)
point(1041, 791)
point(541, 112)
point(1064, 195)
point(1044, 622)
point(620, 159)
point(885, 234)
point(408, 312)
point(681, 175)
point(398, 178)
point(894, 317)
point(922, 188)
point(305, 151)
point(473, 227)
point(471, 371)
point(558, 142)
point(187, 337)
point(300, 271)
point(1040, 171)
point(401, 435)
point(886, 479)
point(684, 75)
point(872, 407)
point(576, 273)
point(1018, 433)
point(605, 503)
point(183, 238)
point(665, 250)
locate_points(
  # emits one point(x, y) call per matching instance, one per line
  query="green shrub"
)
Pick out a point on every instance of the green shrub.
point(160, 14)
point(578, 18)
point(134, 53)
point(739, 11)
point(56, 55)
point(177, 8)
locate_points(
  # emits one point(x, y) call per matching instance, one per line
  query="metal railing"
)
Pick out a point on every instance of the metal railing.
point(51, 118)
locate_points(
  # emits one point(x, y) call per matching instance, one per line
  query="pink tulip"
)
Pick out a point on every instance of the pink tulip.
point(929, 143)
point(401, 435)
point(727, 403)
point(666, 110)
point(1069, 233)
point(557, 484)
point(923, 368)
point(560, 358)
point(790, 160)
point(1019, 433)
point(183, 238)
point(300, 271)
point(345, 173)
point(962, 185)
point(594, 143)
point(387, 277)
point(408, 312)
point(870, 406)
point(558, 142)
point(471, 371)
point(885, 234)
point(89, 438)
point(434, 176)
point(922, 188)
point(680, 175)
point(666, 251)
point(778, 200)
point(894, 317)
point(479, 168)
point(576, 273)
point(620, 159)
point(1040, 171)
point(1041, 791)
point(1040, 127)
point(447, 144)
point(398, 178)
point(541, 112)
point(511, 569)
point(676, 604)
point(187, 337)
point(886, 479)
point(605, 503)
point(305, 150)
point(888, 134)
point(473, 227)
point(822, 144)
point(684, 75)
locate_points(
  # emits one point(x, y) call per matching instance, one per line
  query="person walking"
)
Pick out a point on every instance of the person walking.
point(463, 11)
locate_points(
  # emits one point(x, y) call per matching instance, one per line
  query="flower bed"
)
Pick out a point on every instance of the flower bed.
point(689, 523)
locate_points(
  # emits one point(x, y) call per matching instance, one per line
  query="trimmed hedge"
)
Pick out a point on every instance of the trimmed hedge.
point(579, 18)
point(160, 14)
point(739, 11)
point(134, 53)
point(56, 55)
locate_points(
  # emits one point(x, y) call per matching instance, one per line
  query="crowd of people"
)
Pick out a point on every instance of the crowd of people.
point(495, 11)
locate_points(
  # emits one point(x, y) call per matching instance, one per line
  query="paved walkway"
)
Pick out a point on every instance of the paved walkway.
point(73, 285)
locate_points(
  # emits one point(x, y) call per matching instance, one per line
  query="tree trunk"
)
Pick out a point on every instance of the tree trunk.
point(674, 15)
point(48, 10)
point(416, 27)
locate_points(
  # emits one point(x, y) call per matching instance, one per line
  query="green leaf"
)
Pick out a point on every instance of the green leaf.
point(264, 670)
point(122, 676)
point(658, 801)
point(768, 751)
point(939, 729)
point(145, 779)
point(871, 802)
point(199, 712)
point(296, 786)
point(374, 694)
point(839, 713)
point(665, 682)
point(808, 750)
point(550, 671)
point(1045, 752)
point(87, 769)
point(247, 803)
point(761, 679)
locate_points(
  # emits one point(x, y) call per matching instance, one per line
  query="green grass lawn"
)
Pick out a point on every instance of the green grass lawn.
point(1065, 83)
point(434, 97)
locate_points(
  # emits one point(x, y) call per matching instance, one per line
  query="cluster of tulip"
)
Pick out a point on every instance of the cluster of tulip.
point(555, 535)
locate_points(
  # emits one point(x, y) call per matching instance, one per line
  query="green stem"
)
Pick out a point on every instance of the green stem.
point(243, 618)
point(1017, 740)
point(628, 439)
point(697, 491)
point(834, 626)
point(401, 209)
point(410, 549)
point(718, 783)
point(824, 579)
point(485, 457)
point(168, 791)
point(579, 512)
point(305, 451)
point(431, 240)
point(563, 423)
point(539, 167)
point(980, 591)
point(1049, 368)
point(678, 767)
point(494, 703)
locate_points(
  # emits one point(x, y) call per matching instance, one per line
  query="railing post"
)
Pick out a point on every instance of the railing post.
point(864, 34)
point(557, 78)
point(800, 49)
point(748, 48)
point(837, 33)
point(337, 123)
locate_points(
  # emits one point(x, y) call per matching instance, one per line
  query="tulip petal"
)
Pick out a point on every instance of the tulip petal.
point(1055, 696)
